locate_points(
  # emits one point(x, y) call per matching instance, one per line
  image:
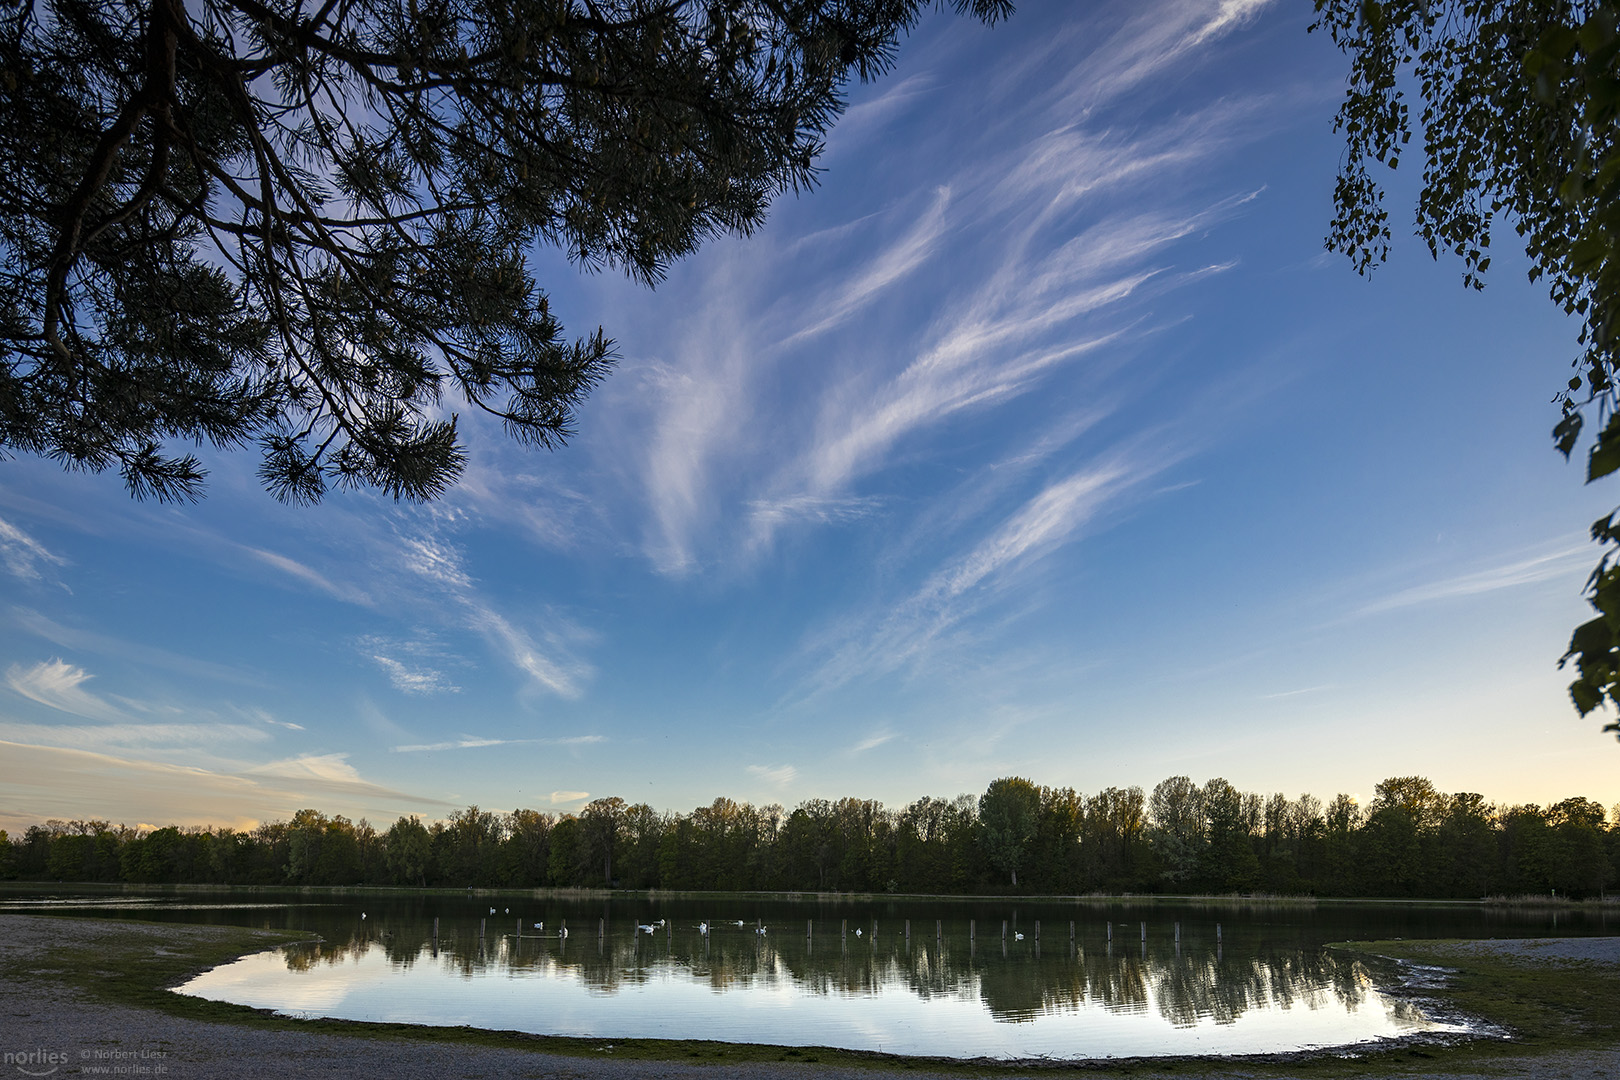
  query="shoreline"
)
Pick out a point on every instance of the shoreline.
point(80, 994)
point(21, 889)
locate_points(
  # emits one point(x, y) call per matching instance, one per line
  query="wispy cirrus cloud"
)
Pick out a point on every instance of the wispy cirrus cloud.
point(1038, 258)
point(776, 775)
point(892, 634)
point(310, 576)
point(78, 639)
point(1565, 562)
point(46, 781)
point(474, 742)
point(25, 558)
point(264, 716)
point(60, 685)
point(126, 737)
point(891, 265)
point(414, 679)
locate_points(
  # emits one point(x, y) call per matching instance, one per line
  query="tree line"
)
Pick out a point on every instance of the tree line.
point(1411, 840)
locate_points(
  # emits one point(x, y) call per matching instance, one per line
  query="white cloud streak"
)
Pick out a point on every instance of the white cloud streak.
point(891, 266)
point(127, 737)
point(1040, 262)
point(60, 685)
point(24, 557)
point(414, 680)
point(474, 742)
point(890, 636)
point(309, 576)
point(1563, 563)
point(775, 775)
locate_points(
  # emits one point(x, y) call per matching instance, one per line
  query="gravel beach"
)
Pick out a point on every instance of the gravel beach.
point(76, 1035)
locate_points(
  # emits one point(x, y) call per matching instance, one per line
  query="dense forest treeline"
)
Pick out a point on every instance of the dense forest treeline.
point(1410, 841)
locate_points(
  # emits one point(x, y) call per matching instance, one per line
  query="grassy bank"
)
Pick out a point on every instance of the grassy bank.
point(1550, 1007)
point(1541, 1001)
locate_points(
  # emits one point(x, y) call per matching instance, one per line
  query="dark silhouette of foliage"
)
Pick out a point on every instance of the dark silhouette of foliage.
point(1519, 105)
point(1415, 841)
point(310, 227)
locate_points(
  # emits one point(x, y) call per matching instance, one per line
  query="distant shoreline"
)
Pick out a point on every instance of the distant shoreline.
point(803, 896)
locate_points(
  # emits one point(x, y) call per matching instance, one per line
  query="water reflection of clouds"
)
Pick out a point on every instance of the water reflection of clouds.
point(931, 999)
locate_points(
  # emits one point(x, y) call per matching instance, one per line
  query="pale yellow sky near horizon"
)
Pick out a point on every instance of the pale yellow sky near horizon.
point(42, 783)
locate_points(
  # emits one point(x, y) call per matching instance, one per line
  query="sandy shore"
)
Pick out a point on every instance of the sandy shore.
point(83, 1037)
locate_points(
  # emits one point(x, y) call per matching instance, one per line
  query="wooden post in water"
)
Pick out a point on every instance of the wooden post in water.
point(480, 929)
point(1004, 931)
point(1178, 933)
point(939, 929)
point(843, 928)
point(1110, 933)
point(809, 928)
point(908, 931)
point(1144, 933)
point(973, 930)
point(520, 929)
point(1071, 929)
point(1217, 932)
point(601, 929)
point(435, 927)
point(1037, 931)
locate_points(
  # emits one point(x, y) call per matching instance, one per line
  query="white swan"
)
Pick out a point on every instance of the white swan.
point(1017, 936)
point(703, 928)
point(857, 931)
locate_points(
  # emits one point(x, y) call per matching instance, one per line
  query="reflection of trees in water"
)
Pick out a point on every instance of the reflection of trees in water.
point(1196, 983)
point(1204, 983)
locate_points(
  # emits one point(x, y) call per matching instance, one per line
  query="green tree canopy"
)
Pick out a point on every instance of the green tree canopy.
point(1009, 812)
point(309, 226)
point(1518, 107)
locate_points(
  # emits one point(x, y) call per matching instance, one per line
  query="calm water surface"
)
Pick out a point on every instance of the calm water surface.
point(1240, 979)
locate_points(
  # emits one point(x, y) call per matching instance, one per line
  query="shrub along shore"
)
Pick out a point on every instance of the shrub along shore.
point(1411, 841)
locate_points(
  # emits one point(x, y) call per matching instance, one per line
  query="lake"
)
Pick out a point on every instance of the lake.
point(992, 978)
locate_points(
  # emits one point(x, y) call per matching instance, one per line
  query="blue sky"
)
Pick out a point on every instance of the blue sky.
point(1042, 439)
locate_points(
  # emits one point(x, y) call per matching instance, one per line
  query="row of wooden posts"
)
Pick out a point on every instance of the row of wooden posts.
point(843, 929)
